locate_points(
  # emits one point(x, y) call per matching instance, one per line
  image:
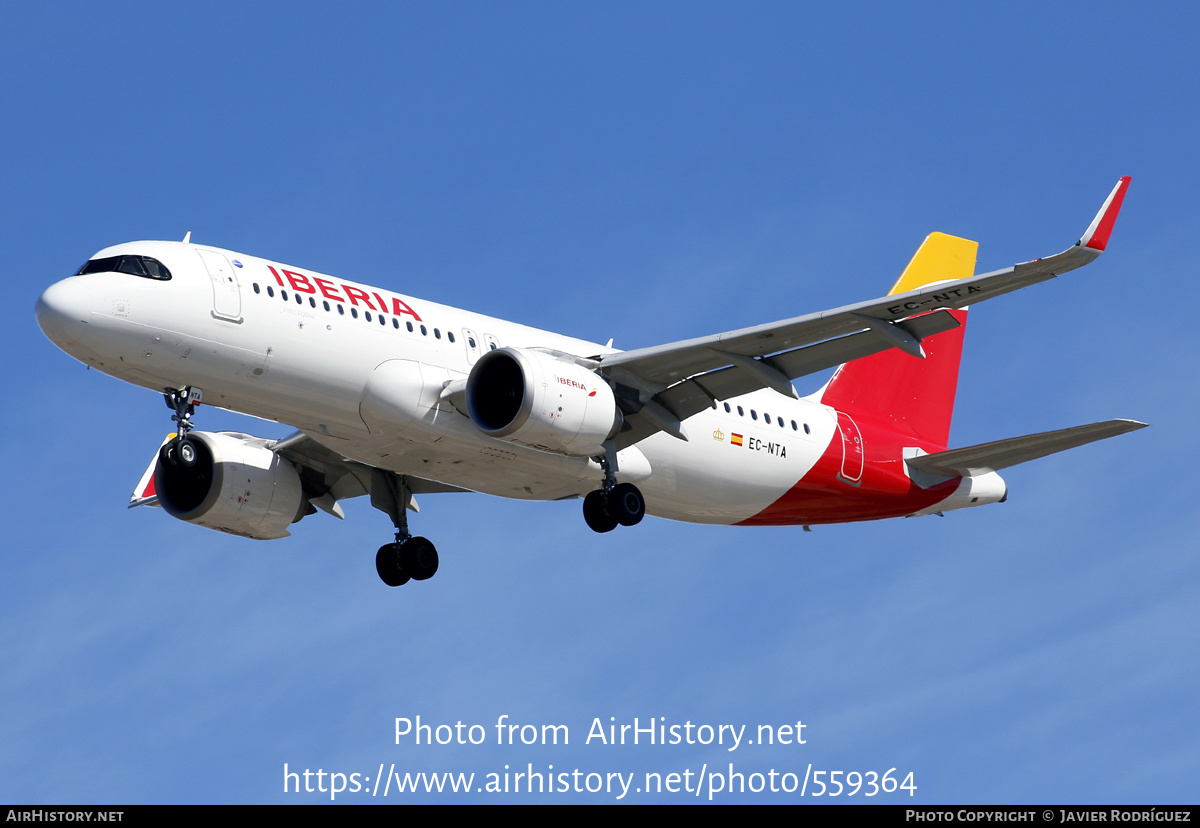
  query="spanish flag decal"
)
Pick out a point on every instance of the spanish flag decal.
point(736, 439)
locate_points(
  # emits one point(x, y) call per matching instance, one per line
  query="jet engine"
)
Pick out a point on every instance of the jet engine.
point(539, 400)
point(236, 485)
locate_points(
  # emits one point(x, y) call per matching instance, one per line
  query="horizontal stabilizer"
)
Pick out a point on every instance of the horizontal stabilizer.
point(1001, 454)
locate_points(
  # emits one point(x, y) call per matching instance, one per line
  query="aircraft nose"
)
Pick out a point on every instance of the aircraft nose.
point(62, 309)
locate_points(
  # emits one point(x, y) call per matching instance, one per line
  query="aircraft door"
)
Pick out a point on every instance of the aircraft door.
point(227, 298)
point(852, 450)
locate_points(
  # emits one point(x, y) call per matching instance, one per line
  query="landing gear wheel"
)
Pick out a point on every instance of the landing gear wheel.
point(626, 504)
point(181, 451)
point(387, 564)
point(419, 558)
point(186, 451)
point(596, 512)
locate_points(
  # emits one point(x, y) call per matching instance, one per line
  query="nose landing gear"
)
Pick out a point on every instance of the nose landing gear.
point(183, 401)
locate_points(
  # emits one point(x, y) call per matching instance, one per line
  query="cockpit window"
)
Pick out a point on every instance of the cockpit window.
point(142, 266)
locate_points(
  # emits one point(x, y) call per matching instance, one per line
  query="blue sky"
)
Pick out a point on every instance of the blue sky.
point(646, 172)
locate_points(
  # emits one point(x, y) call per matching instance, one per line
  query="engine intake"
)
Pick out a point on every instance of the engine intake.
point(539, 400)
point(237, 485)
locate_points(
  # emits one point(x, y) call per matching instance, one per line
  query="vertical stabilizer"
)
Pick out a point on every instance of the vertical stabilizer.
point(899, 391)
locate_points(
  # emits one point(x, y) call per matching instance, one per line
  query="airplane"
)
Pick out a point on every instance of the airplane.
point(394, 397)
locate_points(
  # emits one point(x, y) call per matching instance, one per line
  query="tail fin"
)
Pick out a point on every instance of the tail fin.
point(899, 391)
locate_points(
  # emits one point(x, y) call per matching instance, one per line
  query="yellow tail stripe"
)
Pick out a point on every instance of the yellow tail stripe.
point(940, 258)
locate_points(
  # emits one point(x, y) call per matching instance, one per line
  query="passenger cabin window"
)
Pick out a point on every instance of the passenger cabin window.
point(142, 266)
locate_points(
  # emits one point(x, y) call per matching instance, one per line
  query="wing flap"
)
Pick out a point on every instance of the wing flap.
point(1000, 454)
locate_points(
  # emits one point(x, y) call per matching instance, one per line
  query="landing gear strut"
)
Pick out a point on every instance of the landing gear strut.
point(408, 557)
point(615, 503)
point(183, 401)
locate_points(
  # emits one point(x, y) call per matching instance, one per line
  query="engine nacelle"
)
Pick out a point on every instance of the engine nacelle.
point(237, 486)
point(537, 400)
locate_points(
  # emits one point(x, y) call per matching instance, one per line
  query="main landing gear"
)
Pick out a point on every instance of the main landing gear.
point(407, 558)
point(183, 401)
point(616, 503)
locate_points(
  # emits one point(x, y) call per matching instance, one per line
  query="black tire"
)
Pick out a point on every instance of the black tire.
point(597, 514)
point(167, 455)
point(419, 558)
point(387, 564)
point(627, 505)
point(186, 451)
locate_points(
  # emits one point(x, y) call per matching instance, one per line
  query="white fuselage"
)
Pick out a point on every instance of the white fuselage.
point(361, 370)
